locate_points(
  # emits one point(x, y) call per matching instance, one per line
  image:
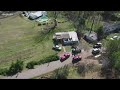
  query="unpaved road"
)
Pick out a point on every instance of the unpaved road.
point(48, 67)
point(42, 69)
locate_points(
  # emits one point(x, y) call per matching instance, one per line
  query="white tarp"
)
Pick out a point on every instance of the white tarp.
point(38, 13)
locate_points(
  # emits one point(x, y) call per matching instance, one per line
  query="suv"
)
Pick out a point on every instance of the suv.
point(98, 45)
point(95, 51)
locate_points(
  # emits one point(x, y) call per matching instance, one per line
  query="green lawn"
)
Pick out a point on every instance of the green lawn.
point(18, 40)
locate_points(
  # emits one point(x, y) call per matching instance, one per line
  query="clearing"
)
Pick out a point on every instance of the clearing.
point(21, 39)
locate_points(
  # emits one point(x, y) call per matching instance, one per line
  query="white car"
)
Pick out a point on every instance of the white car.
point(115, 37)
point(56, 47)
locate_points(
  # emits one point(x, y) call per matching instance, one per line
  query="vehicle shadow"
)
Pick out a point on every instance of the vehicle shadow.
point(75, 61)
point(91, 57)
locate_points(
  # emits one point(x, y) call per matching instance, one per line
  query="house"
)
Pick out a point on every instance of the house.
point(111, 28)
point(90, 38)
point(66, 38)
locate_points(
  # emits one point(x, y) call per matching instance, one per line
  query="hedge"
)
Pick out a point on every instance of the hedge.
point(13, 69)
point(3, 71)
point(48, 59)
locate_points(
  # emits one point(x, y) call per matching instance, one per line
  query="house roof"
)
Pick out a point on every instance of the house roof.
point(108, 27)
point(61, 35)
point(73, 35)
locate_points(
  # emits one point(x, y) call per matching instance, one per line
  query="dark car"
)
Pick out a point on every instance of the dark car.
point(98, 45)
point(76, 59)
point(95, 51)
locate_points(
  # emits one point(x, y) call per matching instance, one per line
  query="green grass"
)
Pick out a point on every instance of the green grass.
point(18, 40)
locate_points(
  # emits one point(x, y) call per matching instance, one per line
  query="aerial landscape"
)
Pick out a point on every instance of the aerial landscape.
point(59, 44)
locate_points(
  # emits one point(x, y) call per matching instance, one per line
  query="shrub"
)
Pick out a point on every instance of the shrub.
point(48, 59)
point(31, 64)
point(116, 60)
point(100, 33)
point(3, 71)
point(61, 73)
point(15, 67)
point(81, 68)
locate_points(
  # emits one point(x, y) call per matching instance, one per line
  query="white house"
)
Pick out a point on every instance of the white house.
point(66, 38)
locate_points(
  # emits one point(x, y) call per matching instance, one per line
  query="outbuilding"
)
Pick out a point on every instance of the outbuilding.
point(66, 38)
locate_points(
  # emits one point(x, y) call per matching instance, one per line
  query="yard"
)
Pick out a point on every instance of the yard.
point(18, 38)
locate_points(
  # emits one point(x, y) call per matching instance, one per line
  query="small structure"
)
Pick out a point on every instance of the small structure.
point(35, 14)
point(92, 37)
point(66, 38)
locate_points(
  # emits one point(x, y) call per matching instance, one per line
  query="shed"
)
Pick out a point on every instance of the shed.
point(92, 37)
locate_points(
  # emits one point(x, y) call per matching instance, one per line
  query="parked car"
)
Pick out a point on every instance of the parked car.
point(57, 47)
point(76, 59)
point(98, 45)
point(64, 57)
point(76, 51)
point(95, 51)
point(115, 38)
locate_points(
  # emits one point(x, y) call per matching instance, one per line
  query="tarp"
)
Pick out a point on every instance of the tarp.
point(42, 19)
point(38, 14)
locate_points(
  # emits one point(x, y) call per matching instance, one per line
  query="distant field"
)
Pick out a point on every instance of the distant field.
point(18, 40)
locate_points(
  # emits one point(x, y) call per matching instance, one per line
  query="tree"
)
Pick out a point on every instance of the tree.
point(112, 47)
point(116, 58)
point(55, 15)
point(112, 65)
point(100, 33)
point(15, 67)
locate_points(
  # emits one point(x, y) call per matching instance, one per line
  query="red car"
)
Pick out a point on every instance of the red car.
point(64, 57)
point(76, 59)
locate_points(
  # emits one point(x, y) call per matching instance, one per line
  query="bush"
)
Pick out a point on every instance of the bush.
point(100, 33)
point(112, 47)
point(31, 64)
point(48, 59)
point(15, 67)
point(3, 71)
point(116, 60)
point(61, 73)
point(81, 68)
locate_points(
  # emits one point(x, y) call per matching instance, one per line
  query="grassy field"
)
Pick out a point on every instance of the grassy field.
point(18, 38)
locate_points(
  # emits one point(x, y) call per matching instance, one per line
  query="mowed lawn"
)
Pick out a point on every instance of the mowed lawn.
point(18, 40)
